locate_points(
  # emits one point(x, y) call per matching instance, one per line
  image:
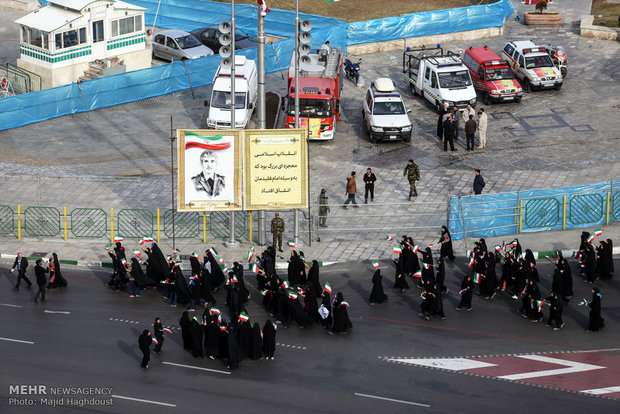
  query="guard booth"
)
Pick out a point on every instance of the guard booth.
point(75, 40)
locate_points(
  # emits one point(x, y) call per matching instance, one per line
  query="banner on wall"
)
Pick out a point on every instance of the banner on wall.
point(209, 170)
point(276, 169)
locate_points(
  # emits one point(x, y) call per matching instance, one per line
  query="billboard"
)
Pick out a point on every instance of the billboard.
point(276, 168)
point(209, 170)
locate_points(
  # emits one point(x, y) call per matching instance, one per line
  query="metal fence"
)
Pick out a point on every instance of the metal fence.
point(534, 210)
point(130, 223)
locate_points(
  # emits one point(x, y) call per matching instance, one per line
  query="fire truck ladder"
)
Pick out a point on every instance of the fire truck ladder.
point(331, 66)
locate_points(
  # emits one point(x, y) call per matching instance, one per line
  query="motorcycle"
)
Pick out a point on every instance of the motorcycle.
point(558, 55)
point(352, 70)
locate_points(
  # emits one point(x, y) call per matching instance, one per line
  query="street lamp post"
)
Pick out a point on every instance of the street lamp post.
point(231, 242)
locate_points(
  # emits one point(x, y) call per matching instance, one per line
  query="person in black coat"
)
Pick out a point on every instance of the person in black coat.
point(234, 354)
point(448, 133)
point(326, 303)
point(269, 339)
point(596, 321)
point(555, 311)
point(440, 277)
point(211, 334)
point(158, 330)
point(369, 185)
point(195, 333)
point(478, 183)
point(184, 322)
point(567, 279)
point(446, 244)
point(295, 269)
point(313, 279)
point(21, 264)
point(377, 295)
point(39, 272)
point(310, 306)
point(245, 338)
point(400, 282)
point(144, 342)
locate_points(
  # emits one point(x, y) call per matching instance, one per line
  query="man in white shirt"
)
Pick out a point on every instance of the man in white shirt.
point(482, 128)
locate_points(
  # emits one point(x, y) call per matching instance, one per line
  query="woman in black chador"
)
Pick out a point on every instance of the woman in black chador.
point(184, 322)
point(313, 279)
point(466, 292)
point(211, 334)
point(158, 329)
point(326, 303)
point(596, 322)
point(56, 279)
point(296, 273)
point(244, 293)
point(400, 281)
point(567, 279)
point(217, 277)
point(196, 334)
point(489, 282)
point(256, 351)
point(298, 313)
point(446, 244)
point(556, 308)
point(341, 315)
point(377, 295)
point(269, 339)
point(245, 338)
point(144, 342)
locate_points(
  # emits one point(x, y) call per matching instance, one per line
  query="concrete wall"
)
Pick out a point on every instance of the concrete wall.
point(587, 29)
point(25, 5)
point(402, 44)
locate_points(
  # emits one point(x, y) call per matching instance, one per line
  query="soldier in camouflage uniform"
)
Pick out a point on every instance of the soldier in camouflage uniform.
point(323, 208)
point(413, 174)
point(277, 228)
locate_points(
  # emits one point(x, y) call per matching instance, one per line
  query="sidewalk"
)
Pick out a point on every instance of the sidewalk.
point(93, 253)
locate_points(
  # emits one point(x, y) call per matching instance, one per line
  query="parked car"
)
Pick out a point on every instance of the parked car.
point(210, 37)
point(178, 45)
point(384, 112)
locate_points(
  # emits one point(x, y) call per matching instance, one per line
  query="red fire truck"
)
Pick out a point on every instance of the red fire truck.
point(320, 82)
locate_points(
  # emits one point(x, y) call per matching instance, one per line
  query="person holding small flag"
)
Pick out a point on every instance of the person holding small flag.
point(158, 330)
point(400, 282)
point(341, 315)
point(56, 278)
point(269, 339)
point(39, 272)
point(596, 322)
point(256, 344)
point(377, 295)
point(325, 310)
point(134, 290)
point(555, 312)
point(466, 292)
point(119, 251)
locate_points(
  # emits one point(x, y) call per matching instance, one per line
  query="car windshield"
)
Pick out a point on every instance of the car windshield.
point(456, 79)
point(311, 107)
point(187, 42)
point(221, 99)
point(388, 108)
point(542, 61)
point(498, 74)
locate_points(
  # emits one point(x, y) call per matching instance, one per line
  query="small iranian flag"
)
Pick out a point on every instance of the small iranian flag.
point(477, 277)
point(249, 256)
point(548, 257)
point(469, 253)
point(137, 252)
point(292, 295)
point(431, 244)
point(168, 330)
point(375, 265)
point(471, 262)
point(243, 317)
point(286, 284)
point(416, 249)
point(307, 265)
point(328, 288)
point(397, 249)
point(124, 261)
point(539, 304)
point(423, 295)
point(291, 243)
point(155, 341)
point(591, 238)
point(344, 303)
point(254, 268)
point(252, 247)
point(141, 242)
point(275, 327)
point(147, 239)
point(223, 328)
point(417, 274)
point(264, 292)
point(118, 239)
point(213, 251)
point(598, 232)
point(498, 248)
point(576, 254)
point(389, 238)
point(462, 291)
point(219, 259)
point(426, 265)
point(108, 247)
point(234, 279)
point(194, 254)
point(177, 264)
point(215, 311)
point(523, 291)
point(263, 7)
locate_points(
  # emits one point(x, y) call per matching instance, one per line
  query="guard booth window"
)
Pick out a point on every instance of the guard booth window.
point(98, 31)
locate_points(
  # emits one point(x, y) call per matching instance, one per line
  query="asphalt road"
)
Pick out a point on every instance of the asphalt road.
point(94, 344)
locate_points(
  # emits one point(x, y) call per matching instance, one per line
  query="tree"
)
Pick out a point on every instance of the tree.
point(541, 6)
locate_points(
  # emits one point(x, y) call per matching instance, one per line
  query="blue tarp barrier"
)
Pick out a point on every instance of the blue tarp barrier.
point(429, 23)
point(38, 106)
point(535, 210)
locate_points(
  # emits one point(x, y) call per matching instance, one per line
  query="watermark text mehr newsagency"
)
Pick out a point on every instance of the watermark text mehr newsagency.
point(45, 390)
point(43, 395)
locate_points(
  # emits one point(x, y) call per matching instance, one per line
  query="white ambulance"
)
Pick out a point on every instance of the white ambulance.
point(532, 65)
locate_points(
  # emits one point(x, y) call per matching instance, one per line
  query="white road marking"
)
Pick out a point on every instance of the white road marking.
point(573, 367)
point(16, 340)
point(392, 400)
point(597, 350)
point(200, 368)
point(63, 312)
point(601, 391)
point(10, 306)
point(452, 364)
point(144, 401)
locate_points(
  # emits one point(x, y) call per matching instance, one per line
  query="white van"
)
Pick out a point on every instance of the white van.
point(384, 112)
point(246, 91)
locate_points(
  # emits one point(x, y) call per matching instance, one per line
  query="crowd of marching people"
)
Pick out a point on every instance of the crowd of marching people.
point(229, 335)
point(519, 277)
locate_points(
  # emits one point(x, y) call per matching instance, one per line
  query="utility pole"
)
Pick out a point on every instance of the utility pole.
point(261, 110)
point(172, 138)
point(231, 239)
point(296, 211)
